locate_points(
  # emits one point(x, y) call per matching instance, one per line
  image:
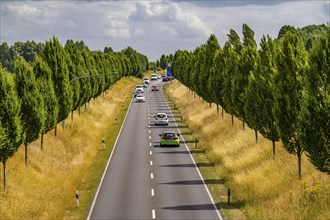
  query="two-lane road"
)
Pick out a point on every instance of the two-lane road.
point(144, 181)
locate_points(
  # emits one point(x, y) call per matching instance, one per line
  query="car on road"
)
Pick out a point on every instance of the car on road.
point(161, 119)
point(169, 138)
point(138, 91)
point(144, 85)
point(146, 80)
point(140, 98)
point(154, 77)
point(154, 88)
point(139, 87)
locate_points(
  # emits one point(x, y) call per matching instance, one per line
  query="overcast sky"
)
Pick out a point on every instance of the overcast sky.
point(153, 27)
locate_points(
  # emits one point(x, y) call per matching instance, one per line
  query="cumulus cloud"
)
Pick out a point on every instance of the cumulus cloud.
point(152, 27)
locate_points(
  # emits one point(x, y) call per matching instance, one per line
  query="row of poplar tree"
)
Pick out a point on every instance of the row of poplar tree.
point(280, 89)
point(42, 93)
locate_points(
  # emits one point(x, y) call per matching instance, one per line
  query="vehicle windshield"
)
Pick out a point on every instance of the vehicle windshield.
point(169, 135)
point(161, 116)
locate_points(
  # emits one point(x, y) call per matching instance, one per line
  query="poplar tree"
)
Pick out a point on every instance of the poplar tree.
point(259, 99)
point(10, 123)
point(43, 76)
point(76, 69)
point(216, 80)
point(57, 60)
point(32, 103)
point(246, 65)
point(231, 58)
point(291, 63)
point(211, 48)
point(314, 117)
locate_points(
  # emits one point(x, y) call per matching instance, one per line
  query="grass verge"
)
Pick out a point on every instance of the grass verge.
point(74, 159)
point(229, 157)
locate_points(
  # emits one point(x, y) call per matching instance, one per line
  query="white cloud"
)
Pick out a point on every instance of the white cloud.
point(151, 27)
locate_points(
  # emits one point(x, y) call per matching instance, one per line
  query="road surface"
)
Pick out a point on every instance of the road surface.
point(144, 181)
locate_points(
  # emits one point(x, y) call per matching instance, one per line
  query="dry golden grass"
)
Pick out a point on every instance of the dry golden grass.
point(45, 189)
point(267, 188)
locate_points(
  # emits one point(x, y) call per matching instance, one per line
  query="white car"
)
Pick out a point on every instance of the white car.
point(146, 80)
point(154, 78)
point(154, 88)
point(161, 119)
point(140, 98)
point(139, 87)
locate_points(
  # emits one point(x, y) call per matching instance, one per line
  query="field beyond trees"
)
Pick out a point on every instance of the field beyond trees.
point(265, 188)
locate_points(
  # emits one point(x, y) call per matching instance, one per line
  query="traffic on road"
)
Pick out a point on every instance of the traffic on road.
point(151, 173)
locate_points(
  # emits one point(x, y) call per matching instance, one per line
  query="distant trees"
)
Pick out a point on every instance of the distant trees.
point(41, 90)
point(278, 90)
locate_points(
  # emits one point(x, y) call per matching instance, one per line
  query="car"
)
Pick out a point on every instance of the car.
point(153, 78)
point(140, 98)
point(138, 91)
point(146, 80)
point(159, 76)
point(144, 85)
point(165, 79)
point(169, 138)
point(154, 88)
point(161, 119)
point(139, 87)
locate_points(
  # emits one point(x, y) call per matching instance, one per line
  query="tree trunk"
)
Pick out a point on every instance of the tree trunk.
point(85, 105)
point(256, 133)
point(217, 108)
point(273, 150)
point(72, 115)
point(210, 104)
point(42, 141)
point(243, 124)
point(79, 110)
point(222, 113)
point(26, 154)
point(63, 125)
point(55, 129)
point(232, 120)
point(4, 174)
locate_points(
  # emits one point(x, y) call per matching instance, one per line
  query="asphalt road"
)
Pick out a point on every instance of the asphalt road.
point(144, 181)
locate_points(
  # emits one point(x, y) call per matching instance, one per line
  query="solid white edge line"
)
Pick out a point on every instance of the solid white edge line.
point(192, 158)
point(106, 168)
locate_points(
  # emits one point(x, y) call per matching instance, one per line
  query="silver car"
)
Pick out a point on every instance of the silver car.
point(161, 119)
point(140, 98)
